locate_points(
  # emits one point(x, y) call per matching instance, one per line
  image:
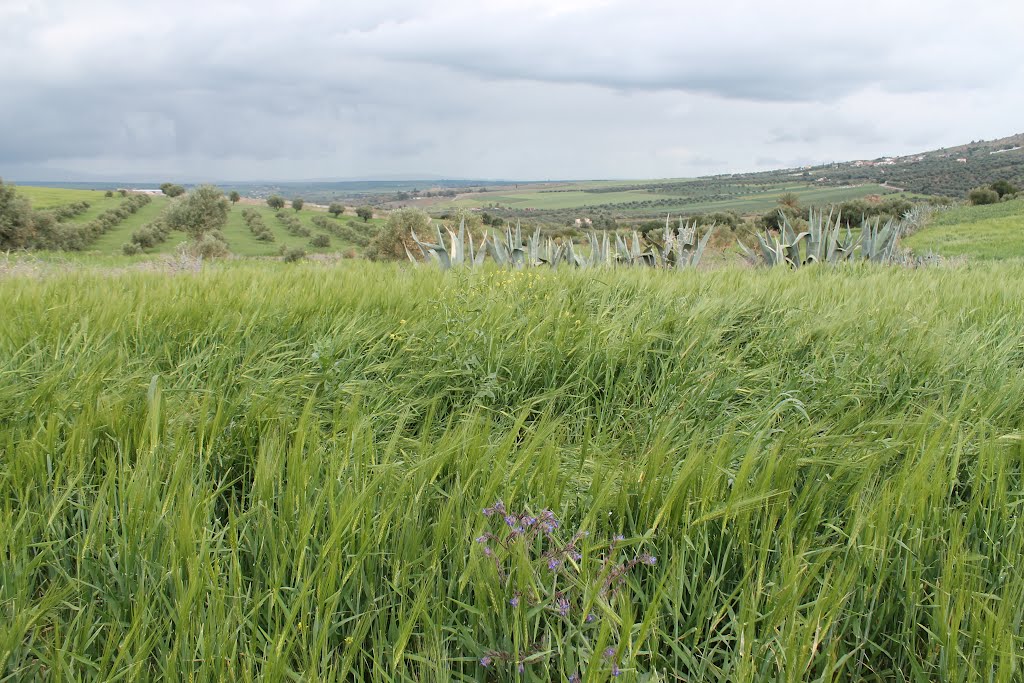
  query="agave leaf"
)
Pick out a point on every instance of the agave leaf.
point(409, 254)
point(748, 253)
point(699, 253)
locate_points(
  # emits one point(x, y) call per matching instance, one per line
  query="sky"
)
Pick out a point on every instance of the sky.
point(197, 90)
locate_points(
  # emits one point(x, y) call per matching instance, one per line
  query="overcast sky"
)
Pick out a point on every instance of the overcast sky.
point(516, 89)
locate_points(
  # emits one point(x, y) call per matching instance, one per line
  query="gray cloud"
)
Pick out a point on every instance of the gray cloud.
point(527, 89)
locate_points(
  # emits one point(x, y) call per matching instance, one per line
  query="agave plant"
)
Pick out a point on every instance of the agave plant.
point(824, 241)
point(680, 248)
point(878, 242)
point(780, 249)
point(683, 249)
point(460, 250)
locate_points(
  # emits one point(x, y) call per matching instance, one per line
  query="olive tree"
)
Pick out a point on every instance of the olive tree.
point(172, 190)
point(390, 243)
point(17, 223)
point(203, 210)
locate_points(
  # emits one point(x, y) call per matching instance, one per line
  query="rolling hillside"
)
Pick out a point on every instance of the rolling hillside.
point(240, 239)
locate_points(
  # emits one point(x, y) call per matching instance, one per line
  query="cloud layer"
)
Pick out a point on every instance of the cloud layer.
point(563, 89)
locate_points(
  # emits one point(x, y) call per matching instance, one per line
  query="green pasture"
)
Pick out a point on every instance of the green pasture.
point(994, 231)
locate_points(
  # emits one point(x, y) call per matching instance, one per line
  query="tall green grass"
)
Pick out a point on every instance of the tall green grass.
point(264, 472)
point(989, 232)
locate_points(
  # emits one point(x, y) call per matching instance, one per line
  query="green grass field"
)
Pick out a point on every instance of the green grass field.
point(742, 201)
point(995, 231)
point(49, 197)
point(278, 472)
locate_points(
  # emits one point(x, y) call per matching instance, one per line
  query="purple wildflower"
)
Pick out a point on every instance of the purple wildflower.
point(514, 601)
point(619, 537)
point(522, 668)
point(553, 564)
point(488, 552)
point(481, 539)
point(485, 660)
point(609, 652)
point(616, 671)
point(591, 618)
point(563, 606)
point(575, 678)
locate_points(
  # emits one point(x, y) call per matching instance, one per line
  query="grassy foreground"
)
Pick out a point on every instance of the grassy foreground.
point(992, 232)
point(263, 472)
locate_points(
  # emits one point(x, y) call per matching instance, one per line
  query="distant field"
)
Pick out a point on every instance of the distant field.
point(49, 197)
point(984, 232)
point(240, 239)
point(632, 201)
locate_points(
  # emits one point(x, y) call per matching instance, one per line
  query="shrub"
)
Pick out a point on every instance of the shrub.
point(320, 242)
point(17, 224)
point(108, 193)
point(144, 238)
point(203, 210)
point(1003, 188)
point(336, 209)
point(131, 249)
point(365, 212)
point(293, 255)
point(209, 246)
point(172, 190)
point(982, 195)
point(390, 243)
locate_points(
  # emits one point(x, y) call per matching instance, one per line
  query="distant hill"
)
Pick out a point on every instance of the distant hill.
point(951, 171)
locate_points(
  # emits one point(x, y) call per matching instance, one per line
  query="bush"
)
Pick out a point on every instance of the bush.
point(391, 242)
point(17, 223)
point(131, 249)
point(108, 193)
point(172, 190)
point(336, 209)
point(1003, 188)
point(320, 241)
point(293, 255)
point(365, 212)
point(982, 195)
point(144, 238)
point(203, 210)
point(209, 246)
